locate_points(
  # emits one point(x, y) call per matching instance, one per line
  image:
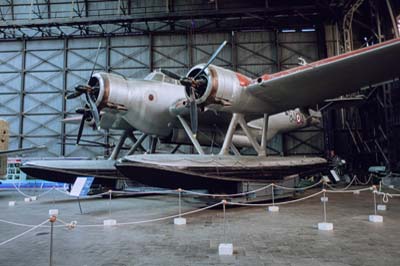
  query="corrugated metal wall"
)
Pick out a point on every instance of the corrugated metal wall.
point(35, 75)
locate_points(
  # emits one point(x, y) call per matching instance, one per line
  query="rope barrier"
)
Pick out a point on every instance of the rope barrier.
point(24, 233)
point(270, 204)
point(25, 225)
point(349, 185)
point(227, 195)
point(29, 196)
point(363, 183)
point(301, 188)
point(390, 187)
point(155, 219)
point(349, 191)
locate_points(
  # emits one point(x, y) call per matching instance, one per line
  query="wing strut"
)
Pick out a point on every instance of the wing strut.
point(264, 136)
point(137, 144)
point(117, 148)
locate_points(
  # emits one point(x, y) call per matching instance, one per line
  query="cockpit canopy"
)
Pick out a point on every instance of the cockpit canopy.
point(159, 76)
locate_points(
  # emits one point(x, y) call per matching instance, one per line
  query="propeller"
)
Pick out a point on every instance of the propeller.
point(90, 111)
point(192, 84)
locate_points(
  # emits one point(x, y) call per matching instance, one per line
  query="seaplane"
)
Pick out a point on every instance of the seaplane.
point(215, 99)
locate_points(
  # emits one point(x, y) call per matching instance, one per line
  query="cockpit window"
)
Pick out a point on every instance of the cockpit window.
point(158, 76)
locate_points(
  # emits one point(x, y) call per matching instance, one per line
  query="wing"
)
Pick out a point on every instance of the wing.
point(329, 78)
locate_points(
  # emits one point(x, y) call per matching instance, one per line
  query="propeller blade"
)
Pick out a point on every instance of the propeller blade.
point(78, 138)
point(73, 95)
point(193, 112)
point(93, 109)
point(212, 58)
point(171, 74)
point(95, 61)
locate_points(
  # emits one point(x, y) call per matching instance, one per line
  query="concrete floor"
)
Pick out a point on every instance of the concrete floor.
point(289, 237)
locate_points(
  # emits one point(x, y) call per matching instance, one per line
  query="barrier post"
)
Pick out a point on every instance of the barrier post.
point(225, 248)
point(325, 226)
point(52, 220)
point(374, 217)
point(179, 220)
point(324, 198)
point(273, 208)
point(109, 221)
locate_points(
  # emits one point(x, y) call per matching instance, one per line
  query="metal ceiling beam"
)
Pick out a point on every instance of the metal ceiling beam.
point(188, 15)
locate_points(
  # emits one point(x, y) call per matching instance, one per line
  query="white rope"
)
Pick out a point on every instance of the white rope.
point(18, 224)
point(29, 196)
point(62, 192)
point(227, 195)
point(22, 193)
point(155, 219)
point(301, 188)
point(347, 187)
point(364, 183)
point(349, 191)
point(390, 187)
point(385, 196)
point(270, 204)
point(25, 225)
point(145, 192)
point(24, 233)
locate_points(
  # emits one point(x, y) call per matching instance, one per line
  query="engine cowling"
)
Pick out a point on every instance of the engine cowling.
point(222, 89)
point(114, 89)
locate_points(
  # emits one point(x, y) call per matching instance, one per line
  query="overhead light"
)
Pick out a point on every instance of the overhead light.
point(308, 30)
point(288, 30)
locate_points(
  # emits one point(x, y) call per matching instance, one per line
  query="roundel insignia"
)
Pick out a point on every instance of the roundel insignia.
point(151, 96)
point(298, 118)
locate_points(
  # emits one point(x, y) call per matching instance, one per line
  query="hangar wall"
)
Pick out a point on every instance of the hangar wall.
point(35, 75)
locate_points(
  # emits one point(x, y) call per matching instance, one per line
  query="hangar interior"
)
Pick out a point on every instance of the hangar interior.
point(47, 47)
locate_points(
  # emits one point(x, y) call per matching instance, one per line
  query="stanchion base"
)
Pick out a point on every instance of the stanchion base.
point(273, 209)
point(27, 199)
point(356, 192)
point(11, 203)
point(180, 221)
point(325, 226)
point(110, 222)
point(376, 218)
point(53, 212)
point(324, 199)
point(33, 198)
point(381, 207)
point(225, 249)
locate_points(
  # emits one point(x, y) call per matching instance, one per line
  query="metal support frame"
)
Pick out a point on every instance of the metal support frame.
point(239, 119)
point(152, 145)
point(137, 144)
point(393, 19)
point(348, 25)
point(119, 145)
point(191, 136)
point(22, 95)
point(264, 135)
point(49, 17)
